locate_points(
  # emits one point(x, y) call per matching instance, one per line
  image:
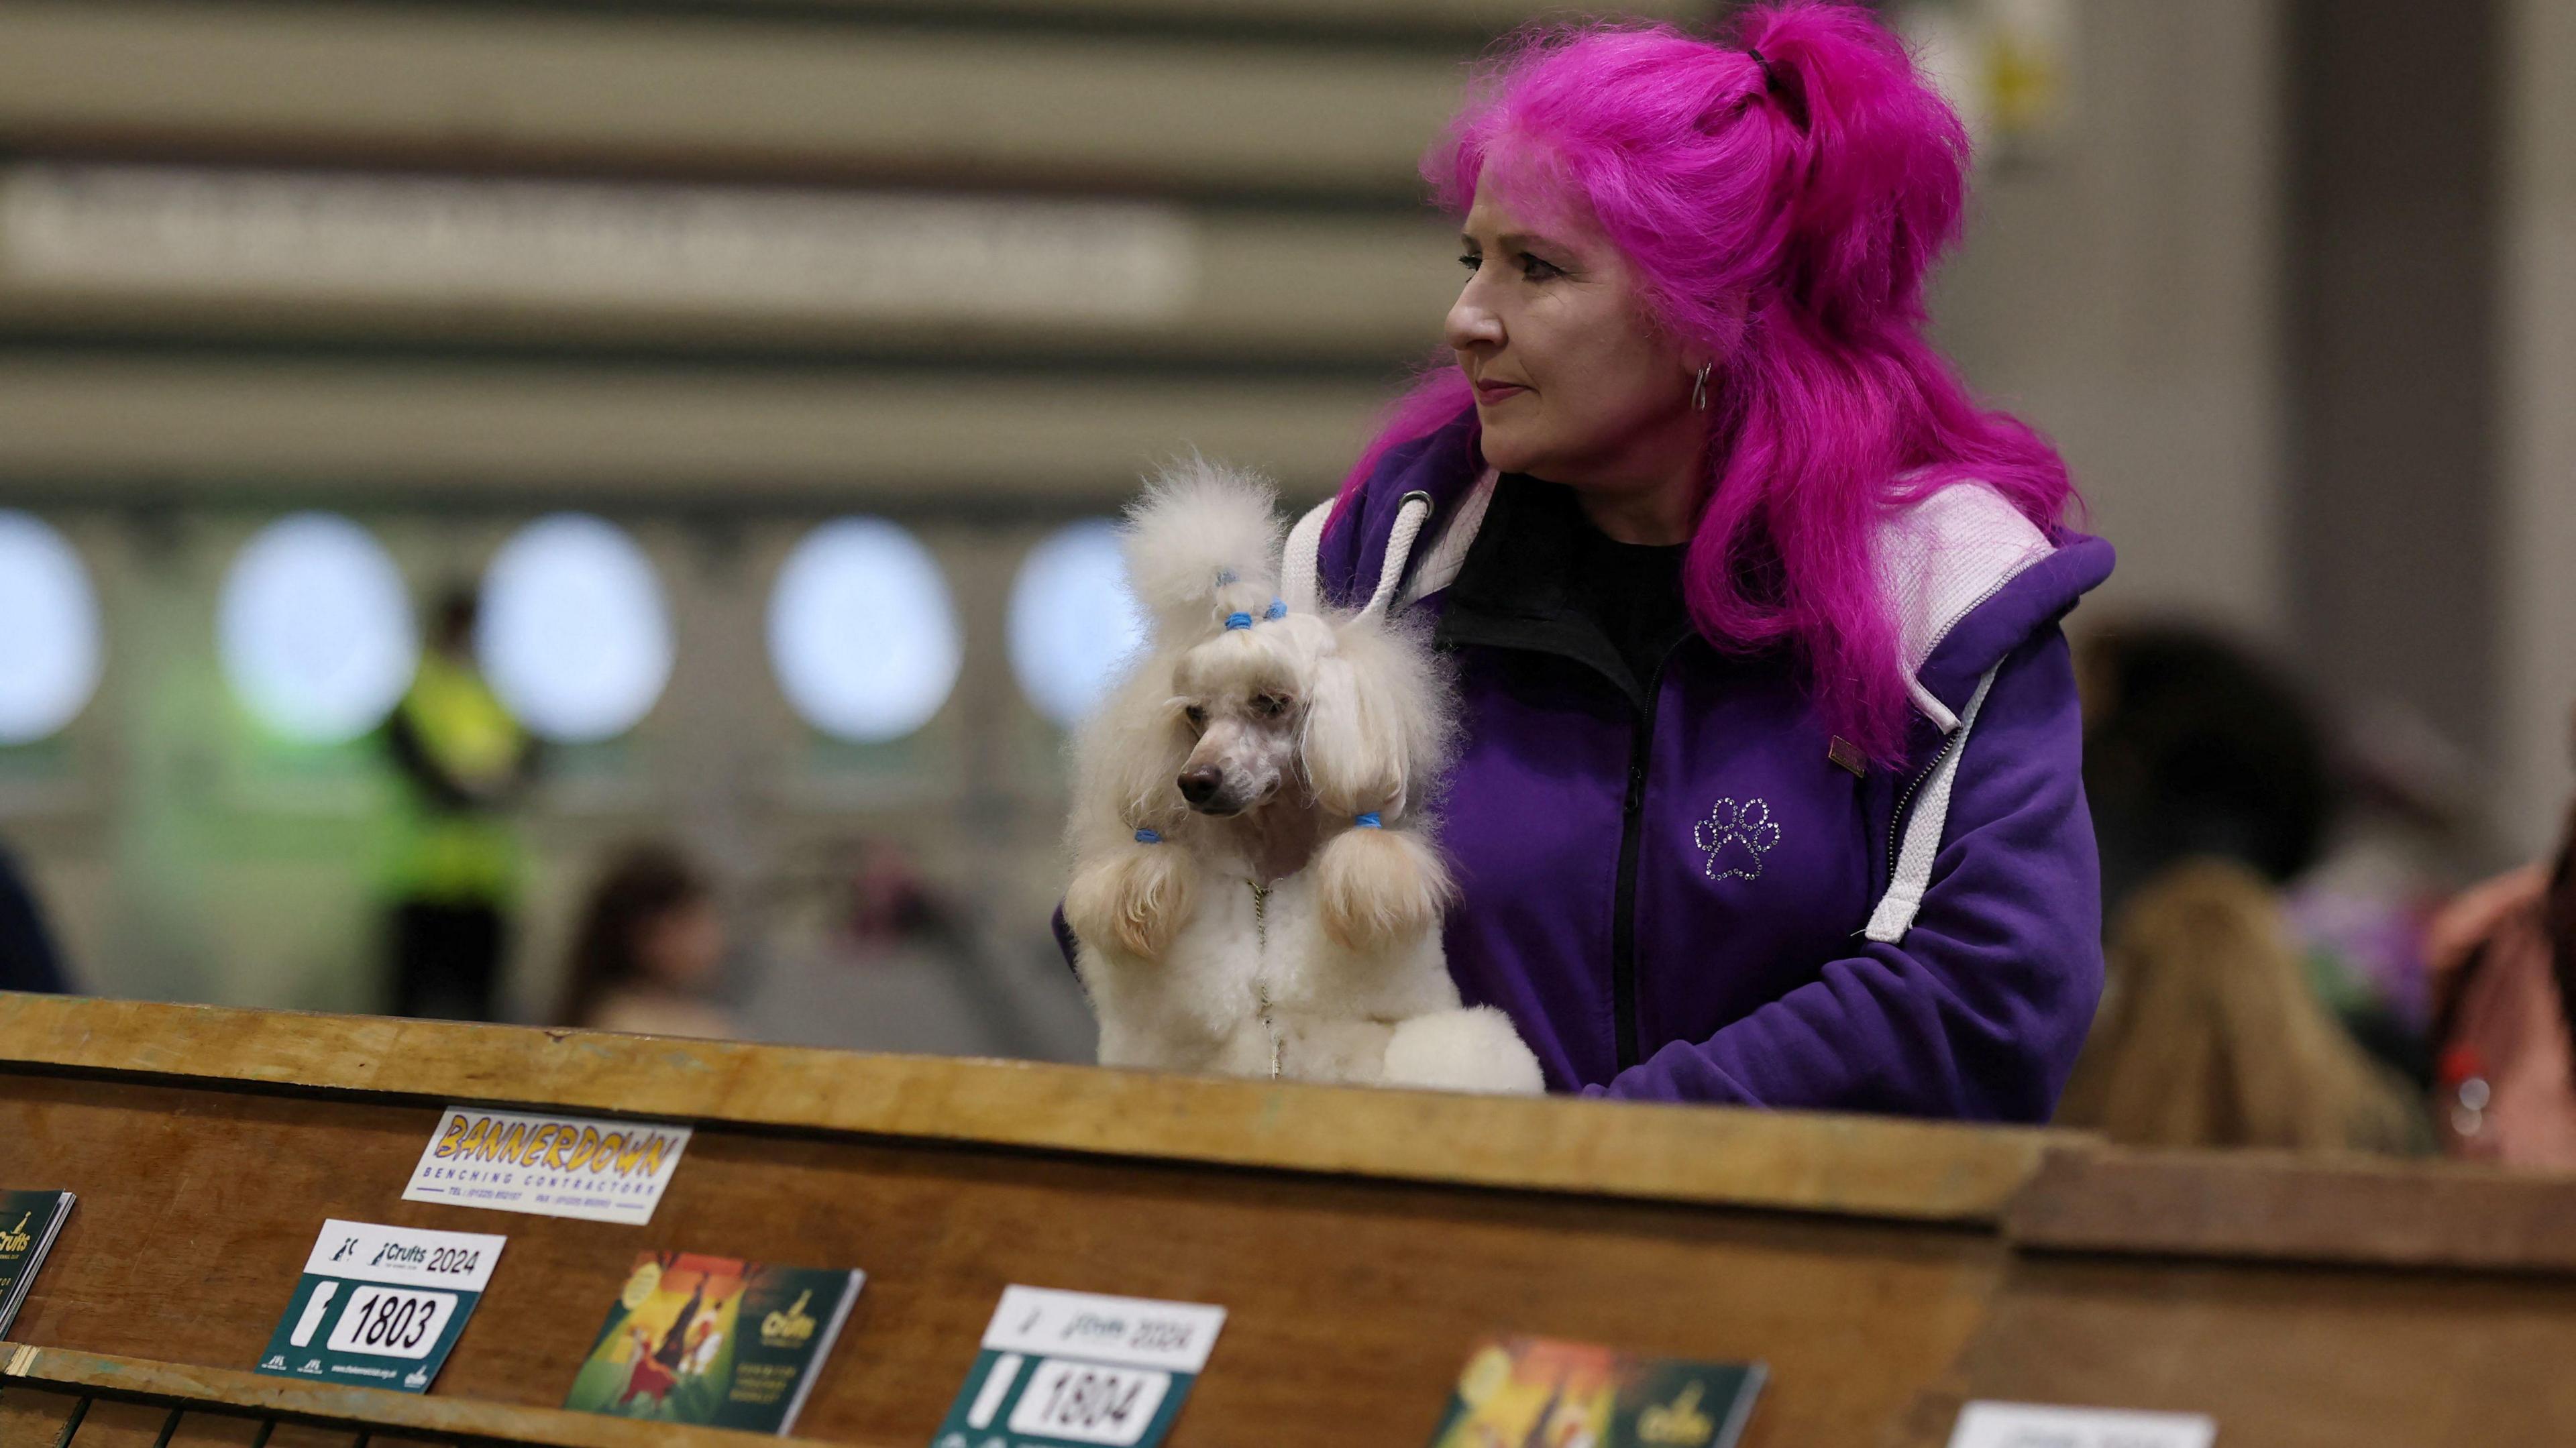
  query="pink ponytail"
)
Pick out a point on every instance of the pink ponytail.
point(1802, 165)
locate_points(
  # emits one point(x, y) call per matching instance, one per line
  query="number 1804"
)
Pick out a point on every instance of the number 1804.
point(1089, 1402)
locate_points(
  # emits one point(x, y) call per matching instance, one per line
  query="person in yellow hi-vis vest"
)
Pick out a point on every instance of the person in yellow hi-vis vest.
point(456, 870)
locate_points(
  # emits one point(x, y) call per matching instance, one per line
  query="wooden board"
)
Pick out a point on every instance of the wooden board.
point(123, 1425)
point(1361, 1242)
point(1860, 1165)
point(2275, 1206)
point(2282, 1357)
point(33, 1418)
point(2313, 1300)
point(132, 1400)
point(218, 1430)
point(1351, 1303)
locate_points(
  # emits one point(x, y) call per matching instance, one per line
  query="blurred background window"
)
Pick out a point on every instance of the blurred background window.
point(575, 636)
point(1072, 620)
point(862, 631)
point(315, 629)
point(49, 648)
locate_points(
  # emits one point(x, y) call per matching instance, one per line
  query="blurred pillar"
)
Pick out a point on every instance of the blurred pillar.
point(2393, 390)
point(2536, 545)
point(2122, 291)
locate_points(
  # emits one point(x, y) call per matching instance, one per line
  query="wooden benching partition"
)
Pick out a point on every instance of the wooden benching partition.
point(1360, 1241)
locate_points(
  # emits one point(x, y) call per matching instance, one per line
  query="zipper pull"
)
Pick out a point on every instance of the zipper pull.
point(1636, 787)
point(1847, 755)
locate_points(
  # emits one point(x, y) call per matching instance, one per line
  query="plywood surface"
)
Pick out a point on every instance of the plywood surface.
point(2271, 1206)
point(216, 1430)
point(121, 1425)
point(310, 1435)
point(2282, 1357)
point(30, 1418)
point(133, 1401)
point(1856, 1165)
point(1361, 1241)
point(1351, 1303)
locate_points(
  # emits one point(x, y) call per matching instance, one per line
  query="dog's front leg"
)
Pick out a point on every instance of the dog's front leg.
point(1136, 899)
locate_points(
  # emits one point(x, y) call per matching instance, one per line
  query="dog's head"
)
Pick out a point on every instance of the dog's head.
point(1240, 703)
point(1348, 713)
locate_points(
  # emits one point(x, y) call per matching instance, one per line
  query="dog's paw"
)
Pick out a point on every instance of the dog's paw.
point(1470, 1049)
point(1136, 901)
point(1375, 888)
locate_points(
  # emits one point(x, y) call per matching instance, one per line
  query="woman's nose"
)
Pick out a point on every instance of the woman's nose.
point(1471, 323)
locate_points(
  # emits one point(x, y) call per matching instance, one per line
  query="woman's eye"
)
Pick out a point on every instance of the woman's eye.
point(1537, 270)
point(1471, 261)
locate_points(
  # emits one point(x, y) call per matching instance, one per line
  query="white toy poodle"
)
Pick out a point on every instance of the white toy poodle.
point(1255, 887)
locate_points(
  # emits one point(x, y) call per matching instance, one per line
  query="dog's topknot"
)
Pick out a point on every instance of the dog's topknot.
point(1202, 542)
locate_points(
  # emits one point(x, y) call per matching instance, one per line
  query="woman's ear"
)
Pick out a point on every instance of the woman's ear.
point(1733, 317)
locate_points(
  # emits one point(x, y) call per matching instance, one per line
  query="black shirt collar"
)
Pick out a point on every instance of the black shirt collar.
point(1517, 587)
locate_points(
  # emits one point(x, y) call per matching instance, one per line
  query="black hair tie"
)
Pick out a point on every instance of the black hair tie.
point(1777, 85)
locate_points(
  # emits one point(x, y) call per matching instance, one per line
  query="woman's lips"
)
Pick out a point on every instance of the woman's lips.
point(1497, 391)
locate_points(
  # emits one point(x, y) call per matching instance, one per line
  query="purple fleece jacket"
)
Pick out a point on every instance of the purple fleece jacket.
point(1667, 893)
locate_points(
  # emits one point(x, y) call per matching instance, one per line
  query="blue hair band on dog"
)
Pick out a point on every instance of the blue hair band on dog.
point(1148, 837)
point(1278, 610)
point(1367, 821)
point(1238, 620)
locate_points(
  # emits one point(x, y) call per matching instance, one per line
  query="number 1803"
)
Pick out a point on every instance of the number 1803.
point(392, 1322)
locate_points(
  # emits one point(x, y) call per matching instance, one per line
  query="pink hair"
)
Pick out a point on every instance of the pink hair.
point(1784, 220)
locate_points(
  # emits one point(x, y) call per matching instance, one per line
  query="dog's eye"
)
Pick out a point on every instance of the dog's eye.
point(1196, 715)
point(1270, 706)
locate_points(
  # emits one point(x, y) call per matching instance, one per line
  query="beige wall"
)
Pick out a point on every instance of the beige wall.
point(2537, 549)
point(178, 863)
point(2122, 294)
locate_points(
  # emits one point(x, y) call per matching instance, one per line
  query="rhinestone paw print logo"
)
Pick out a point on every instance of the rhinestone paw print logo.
point(1735, 837)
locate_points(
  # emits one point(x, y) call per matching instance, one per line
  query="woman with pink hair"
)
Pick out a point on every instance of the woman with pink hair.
point(1770, 790)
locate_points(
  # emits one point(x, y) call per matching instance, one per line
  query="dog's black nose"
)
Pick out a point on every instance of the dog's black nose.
point(1199, 785)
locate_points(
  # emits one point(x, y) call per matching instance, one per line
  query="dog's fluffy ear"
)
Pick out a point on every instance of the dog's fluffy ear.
point(1378, 730)
point(1128, 756)
point(1378, 735)
point(1127, 761)
point(1376, 888)
point(1201, 543)
point(1136, 898)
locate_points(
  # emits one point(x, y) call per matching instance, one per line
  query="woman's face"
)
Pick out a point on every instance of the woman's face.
point(1574, 383)
point(682, 947)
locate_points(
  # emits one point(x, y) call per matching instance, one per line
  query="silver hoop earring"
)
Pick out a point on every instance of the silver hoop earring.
point(1699, 391)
